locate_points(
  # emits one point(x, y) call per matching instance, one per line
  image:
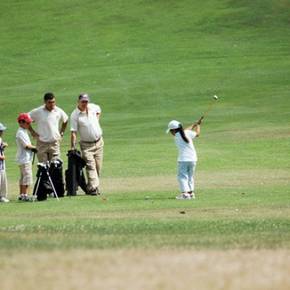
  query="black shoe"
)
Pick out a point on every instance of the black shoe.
point(94, 192)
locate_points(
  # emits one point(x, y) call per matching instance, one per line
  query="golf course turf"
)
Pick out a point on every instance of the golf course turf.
point(146, 63)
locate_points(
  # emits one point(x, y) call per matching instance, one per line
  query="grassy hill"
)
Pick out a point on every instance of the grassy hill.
point(146, 62)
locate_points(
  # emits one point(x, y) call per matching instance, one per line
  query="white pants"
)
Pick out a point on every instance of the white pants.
point(3, 184)
point(185, 175)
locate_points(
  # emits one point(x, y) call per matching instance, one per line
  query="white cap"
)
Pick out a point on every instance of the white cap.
point(2, 127)
point(173, 125)
point(84, 97)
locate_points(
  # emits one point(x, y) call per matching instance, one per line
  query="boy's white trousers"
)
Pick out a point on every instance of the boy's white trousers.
point(3, 184)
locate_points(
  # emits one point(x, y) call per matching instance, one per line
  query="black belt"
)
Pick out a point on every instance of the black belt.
point(92, 142)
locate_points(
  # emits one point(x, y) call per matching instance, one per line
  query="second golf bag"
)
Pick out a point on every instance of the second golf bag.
point(49, 180)
point(74, 175)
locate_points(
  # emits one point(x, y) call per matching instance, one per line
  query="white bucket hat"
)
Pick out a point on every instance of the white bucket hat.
point(173, 125)
point(2, 127)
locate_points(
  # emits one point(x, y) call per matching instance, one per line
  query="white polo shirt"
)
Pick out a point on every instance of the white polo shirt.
point(186, 151)
point(87, 123)
point(23, 155)
point(48, 123)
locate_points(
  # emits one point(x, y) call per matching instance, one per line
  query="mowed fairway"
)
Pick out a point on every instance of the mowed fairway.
point(145, 63)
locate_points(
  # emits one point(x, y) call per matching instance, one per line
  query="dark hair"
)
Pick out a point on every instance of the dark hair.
point(181, 131)
point(48, 96)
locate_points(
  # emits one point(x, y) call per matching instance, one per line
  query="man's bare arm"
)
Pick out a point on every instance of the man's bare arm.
point(73, 140)
point(33, 133)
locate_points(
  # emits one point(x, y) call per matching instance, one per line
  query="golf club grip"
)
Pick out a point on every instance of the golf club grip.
point(200, 120)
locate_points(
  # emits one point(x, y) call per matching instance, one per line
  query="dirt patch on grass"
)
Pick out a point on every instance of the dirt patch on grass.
point(130, 269)
point(204, 180)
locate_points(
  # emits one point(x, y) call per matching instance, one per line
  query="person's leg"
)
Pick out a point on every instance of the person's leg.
point(23, 189)
point(53, 151)
point(99, 159)
point(191, 172)
point(182, 177)
point(42, 151)
point(20, 182)
point(25, 180)
point(88, 153)
point(3, 186)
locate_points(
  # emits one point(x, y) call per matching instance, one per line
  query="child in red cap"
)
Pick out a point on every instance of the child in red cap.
point(24, 155)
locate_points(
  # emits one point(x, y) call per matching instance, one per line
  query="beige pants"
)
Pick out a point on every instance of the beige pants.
point(3, 184)
point(25, 174)
point(92, 153)
point(47, 151)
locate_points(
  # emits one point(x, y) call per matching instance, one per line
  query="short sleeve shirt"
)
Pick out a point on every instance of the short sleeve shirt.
point(87, 123)
point(23, 155)
point(2, 162)
point(48, 123)
point(186, 151)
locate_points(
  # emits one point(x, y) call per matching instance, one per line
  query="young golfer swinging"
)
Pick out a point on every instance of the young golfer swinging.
point(187, 157)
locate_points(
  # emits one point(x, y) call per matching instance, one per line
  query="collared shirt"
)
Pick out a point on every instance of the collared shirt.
point(2, 162)
point(87, 123)
point(23, 155)
point(186, 151)
point(48, 123)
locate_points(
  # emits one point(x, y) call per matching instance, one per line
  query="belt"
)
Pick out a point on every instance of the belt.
point(92, 142)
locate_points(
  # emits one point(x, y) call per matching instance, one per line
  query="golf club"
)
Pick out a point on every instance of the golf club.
point(210, 107)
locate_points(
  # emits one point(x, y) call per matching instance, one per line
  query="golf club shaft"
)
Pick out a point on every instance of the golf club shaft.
point(33, 158)
point(210, 106)
point(208, 109)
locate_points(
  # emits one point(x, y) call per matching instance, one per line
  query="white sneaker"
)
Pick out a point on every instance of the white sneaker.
point(4, 199)
point(184, 196)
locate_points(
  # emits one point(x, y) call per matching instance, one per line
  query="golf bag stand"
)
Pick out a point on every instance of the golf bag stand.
point(44, 184)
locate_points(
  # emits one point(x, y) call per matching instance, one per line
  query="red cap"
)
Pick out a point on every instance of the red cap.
point(24, 117)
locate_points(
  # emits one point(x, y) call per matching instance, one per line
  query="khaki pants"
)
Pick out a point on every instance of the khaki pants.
point(3, 184)
point(47, 151)
point(92, 153)
point(25, 174)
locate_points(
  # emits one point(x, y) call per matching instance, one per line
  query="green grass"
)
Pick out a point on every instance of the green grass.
point(145, 63)
point(153, 220)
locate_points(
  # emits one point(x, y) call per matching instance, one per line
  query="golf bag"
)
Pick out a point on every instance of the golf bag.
point(56, 175)
point(74, 175)
point(49, 180)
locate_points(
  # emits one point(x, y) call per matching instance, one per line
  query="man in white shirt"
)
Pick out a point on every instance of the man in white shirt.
point(85, 122)
point(51, 123)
